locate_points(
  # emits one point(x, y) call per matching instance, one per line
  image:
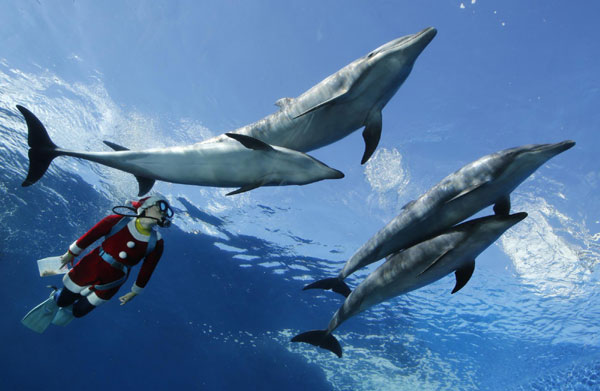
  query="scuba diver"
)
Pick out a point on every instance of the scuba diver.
point(97, 277)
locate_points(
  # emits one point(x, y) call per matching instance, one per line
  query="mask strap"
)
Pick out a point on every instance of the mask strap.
point(160, 222)
point(129, 208)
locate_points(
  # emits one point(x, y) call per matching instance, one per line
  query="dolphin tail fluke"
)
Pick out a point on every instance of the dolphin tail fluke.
point(335, 284)
point(322, 339)
point(41, 149)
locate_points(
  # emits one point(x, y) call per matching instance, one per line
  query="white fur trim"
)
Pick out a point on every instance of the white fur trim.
point(75, 249)
point(135, 233)
point(150, 202)
point(95, 300)
point(136, 289)
point(70, 285)
point(86, 291)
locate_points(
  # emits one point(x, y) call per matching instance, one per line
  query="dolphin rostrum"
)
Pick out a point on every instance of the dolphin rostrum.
point(486, 181)
point(349, 99)
point(230, 160)
point(454, 250)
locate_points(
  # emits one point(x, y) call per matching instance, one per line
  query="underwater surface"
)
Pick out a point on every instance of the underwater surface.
point(226, 297)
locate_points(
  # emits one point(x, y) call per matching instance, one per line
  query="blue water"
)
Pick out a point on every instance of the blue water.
point(226, 297)
point(197, 333)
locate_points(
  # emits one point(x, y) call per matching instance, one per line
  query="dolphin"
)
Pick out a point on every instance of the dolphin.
point(231, 160)
point(454, 250)
point(486, 181)
point(347, 100)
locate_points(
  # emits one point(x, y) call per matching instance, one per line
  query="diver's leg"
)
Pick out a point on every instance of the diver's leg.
point(86, 304)
point(66, 297)
point(82, 307)
point(80, 277)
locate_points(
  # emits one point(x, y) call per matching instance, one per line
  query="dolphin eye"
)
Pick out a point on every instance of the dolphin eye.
point(371, 54)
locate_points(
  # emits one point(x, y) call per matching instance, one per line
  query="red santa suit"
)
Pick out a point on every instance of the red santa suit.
point(127, 246)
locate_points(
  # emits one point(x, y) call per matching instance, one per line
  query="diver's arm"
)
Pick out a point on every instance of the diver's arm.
point(148, 268)
point(145, 273)
point(126, 297)
point(66, 258)
point(102, 228)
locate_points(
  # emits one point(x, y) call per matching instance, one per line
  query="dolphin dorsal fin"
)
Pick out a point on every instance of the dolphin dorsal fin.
point(250, 142)
point(283, 102)
point(245, 188)
point(463, 274)
point(145, 185)
point(408, 204)
point(116, 147)
point(502, 206)
point(371, 134)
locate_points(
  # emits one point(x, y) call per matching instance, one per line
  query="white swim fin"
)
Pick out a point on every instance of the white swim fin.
point(64, 316)
point(39, 318)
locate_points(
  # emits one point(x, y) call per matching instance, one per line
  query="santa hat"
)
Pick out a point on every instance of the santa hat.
point(144, 203)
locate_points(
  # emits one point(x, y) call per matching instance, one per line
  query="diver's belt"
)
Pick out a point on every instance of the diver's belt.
point(117, 265)
point(113, 262)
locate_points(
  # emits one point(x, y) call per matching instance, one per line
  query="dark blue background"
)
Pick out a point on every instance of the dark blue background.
point(160, 339)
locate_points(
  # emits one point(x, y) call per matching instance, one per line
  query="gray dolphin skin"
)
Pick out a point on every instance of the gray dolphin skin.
point(230, 160)
point(349, 99)
point(454, 250)
point(345, 101)
point(484, 182)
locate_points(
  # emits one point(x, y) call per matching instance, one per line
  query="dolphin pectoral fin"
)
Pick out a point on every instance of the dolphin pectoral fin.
point(465, 192)
point(329, 101)
point(502, 206)
point(250, 142)
point(115, 147)
point(322, 339)
point(335, 284)
point(436, 261)
point(145, 185)
point(371, 134)
point(463, 275)
point(245, 188)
